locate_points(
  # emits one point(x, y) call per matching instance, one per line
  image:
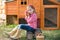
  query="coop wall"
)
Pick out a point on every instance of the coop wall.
point(44, 8)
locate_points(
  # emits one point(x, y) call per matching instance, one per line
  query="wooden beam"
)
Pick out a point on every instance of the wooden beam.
point(54, 1)
point(51, 20)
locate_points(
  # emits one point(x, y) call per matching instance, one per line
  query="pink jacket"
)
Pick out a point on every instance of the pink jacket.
point(32, 20)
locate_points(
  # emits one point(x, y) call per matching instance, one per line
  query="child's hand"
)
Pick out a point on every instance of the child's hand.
point(27, 14)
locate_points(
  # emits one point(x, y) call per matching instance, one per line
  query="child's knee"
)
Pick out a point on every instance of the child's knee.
point(19, 26)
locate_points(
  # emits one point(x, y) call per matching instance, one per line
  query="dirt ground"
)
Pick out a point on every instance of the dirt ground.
point(4, 37)
point(2, 34)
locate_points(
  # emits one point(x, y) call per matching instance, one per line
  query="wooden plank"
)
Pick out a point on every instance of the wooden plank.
point(51, 20)
point(51, 6)
point(11, 8)
point(55, 1)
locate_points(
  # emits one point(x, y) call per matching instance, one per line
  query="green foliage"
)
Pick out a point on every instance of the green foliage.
point(52, 35)
point(11, 26)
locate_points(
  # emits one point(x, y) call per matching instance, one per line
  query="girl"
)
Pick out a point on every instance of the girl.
point(31, 18)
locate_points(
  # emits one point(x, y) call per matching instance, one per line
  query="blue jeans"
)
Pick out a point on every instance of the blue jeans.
point(26, 27)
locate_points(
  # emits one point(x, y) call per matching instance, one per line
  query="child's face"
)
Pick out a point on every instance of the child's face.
point(30, 10)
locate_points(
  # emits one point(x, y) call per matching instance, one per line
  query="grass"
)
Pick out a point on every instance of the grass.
point(52, 35)
point(49, 34)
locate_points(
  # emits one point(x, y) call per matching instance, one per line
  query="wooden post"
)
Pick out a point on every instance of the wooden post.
point(29, 36)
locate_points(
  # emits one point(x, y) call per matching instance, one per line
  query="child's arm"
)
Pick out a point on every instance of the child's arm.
point(33, 18)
